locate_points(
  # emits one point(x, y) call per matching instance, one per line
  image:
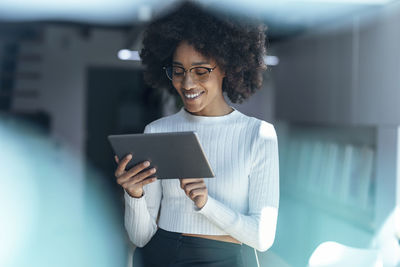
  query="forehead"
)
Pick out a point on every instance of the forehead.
point(187, 54)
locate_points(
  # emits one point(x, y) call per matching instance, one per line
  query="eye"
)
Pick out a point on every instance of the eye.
point(177, 71)
point(200, 71)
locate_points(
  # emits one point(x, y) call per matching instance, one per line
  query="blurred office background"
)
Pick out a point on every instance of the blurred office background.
point(70, 76)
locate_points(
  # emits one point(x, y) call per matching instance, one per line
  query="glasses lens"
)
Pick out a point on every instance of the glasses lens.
point(168, 71)
point(200, 74)
point(177, 72)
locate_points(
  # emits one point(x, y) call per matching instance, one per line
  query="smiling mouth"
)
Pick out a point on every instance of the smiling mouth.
point(192, 96)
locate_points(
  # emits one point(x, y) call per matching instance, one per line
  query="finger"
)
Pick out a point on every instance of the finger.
point(185, 181)
point(133, 171)
point(198, 192)
point(122, 165)
point(143, 182)
point(191, 180)
point(149, 180)
point(192, 186)
point(136, 178)
point(138, 168)
point(123, 178)
point(144, 175)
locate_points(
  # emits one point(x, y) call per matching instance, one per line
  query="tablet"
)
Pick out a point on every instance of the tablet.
point(174, 155)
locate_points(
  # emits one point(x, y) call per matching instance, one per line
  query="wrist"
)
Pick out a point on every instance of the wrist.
point(134, 195)
point(203, 204)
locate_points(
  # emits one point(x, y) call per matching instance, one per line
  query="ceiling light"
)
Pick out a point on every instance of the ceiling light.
point(271, 60)
point(126, 54)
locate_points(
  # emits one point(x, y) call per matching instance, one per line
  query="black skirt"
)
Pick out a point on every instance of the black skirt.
point(169, 249)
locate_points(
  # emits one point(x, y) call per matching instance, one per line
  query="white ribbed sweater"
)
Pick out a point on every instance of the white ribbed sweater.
point(242, 198)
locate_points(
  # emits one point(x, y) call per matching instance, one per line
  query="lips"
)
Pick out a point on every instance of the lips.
point(192, 94)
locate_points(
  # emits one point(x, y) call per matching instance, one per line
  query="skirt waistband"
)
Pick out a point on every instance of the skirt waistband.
point(198, 240)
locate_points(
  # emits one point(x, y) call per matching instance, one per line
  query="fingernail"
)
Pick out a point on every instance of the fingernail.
point(129, 156)
point(146, 163)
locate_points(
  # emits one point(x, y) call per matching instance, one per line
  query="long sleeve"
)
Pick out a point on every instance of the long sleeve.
point(141, 213)
point(257, 227)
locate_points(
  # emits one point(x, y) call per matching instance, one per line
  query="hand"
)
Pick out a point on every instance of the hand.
point(133, 180)
point(196, 190)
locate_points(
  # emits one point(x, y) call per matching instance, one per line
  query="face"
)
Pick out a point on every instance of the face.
point(200, 98)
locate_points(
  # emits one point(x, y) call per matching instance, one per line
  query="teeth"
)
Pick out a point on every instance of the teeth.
point(192, 95)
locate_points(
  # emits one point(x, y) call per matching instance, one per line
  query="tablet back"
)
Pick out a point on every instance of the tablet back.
point(174, 155)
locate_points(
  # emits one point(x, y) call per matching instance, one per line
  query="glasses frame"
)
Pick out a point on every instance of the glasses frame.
point(190, 71)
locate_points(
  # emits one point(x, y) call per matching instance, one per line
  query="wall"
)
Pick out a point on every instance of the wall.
point(344, 74)
point(64, 54)
point(262, 104)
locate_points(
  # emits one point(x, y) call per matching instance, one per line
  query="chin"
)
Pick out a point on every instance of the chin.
point(193, 109)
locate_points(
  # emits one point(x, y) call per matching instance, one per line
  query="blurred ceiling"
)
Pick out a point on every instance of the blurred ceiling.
point(284, 18)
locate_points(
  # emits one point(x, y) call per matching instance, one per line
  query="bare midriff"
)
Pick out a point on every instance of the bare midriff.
point(223, 238)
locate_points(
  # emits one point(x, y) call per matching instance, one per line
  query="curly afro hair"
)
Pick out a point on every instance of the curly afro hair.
point(237, 45)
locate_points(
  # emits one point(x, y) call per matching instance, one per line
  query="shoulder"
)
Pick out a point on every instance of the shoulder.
point(266, 131)
point(264, 141)
point(260, 129)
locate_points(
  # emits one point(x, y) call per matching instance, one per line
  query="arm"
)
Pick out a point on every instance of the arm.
point(257, 228)
point(141, 213)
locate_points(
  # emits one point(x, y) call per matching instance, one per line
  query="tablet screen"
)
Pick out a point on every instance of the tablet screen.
point(174, 155)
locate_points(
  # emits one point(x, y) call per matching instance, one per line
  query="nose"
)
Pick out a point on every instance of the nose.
point(187, 82)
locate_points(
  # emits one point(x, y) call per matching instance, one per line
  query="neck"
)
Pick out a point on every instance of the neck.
point(222, 110)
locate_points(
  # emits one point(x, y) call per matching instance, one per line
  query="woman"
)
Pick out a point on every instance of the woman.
point(204, 222)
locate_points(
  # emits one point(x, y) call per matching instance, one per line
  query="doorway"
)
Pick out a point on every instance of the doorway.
point(117, 102)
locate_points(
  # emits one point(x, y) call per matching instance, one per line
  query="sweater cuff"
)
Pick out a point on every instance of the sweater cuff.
point(219, 214)
point(132, 201)
point(210, 204)
point(214, 210)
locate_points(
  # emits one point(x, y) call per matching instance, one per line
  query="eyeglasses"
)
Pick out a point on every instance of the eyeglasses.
point(198, 74)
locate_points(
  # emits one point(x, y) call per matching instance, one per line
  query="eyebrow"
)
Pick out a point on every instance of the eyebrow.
point(193, 64)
